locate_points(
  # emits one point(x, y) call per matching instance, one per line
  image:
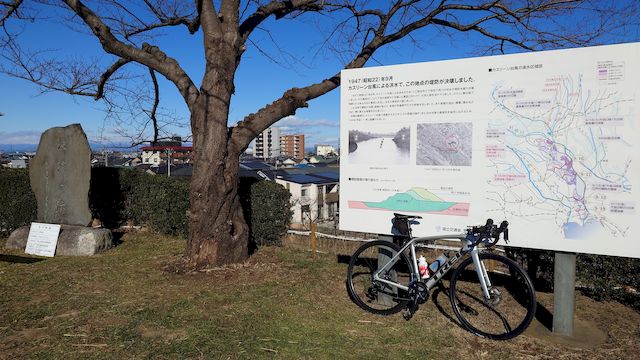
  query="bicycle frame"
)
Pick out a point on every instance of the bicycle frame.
point(470, 247)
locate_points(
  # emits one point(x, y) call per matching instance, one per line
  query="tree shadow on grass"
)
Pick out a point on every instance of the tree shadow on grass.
point(15, 259)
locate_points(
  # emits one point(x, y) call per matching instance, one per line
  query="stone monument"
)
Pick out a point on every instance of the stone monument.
point(60, 174)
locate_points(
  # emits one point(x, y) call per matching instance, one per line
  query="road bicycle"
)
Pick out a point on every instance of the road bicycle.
point(490, 294)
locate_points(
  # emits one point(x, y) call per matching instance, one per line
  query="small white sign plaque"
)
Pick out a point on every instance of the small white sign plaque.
point(42, 239)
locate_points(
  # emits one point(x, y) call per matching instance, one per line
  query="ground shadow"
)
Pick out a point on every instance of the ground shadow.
point(343, 259)
point(117, 237)
point(244, 192)
point(439, 293)
point(544, 316)
point(106, 196)
point(15, 259)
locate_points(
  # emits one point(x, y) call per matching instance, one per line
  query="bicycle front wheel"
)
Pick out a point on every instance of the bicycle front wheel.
point(512, 299)
point(375, 296)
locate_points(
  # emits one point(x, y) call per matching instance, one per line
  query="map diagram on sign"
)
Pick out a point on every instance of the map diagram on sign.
point(550, 153)
point(415, 200)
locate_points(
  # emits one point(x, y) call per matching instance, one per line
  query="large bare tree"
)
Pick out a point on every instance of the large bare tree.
point(355, 31)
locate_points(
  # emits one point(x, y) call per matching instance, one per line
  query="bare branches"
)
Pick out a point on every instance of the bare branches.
point(107, 74)
point(156, 102)
point(8, 9)
point(150, 56)
point(355, 31)
point(522, 24)
point(75, 77)
point(167, 14)
point(279, 9)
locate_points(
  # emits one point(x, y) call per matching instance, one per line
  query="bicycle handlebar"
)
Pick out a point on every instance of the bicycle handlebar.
point(490, 231)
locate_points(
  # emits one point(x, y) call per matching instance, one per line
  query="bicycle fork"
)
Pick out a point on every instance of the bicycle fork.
point(483, 276)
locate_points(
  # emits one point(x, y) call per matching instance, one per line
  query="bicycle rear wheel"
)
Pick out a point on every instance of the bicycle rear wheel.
point(512, 303)
point(375, 296)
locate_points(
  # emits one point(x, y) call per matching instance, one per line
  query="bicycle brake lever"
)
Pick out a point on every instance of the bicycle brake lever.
point(506, 236)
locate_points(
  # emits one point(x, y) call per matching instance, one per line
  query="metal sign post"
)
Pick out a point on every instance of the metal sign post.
point(564, 293)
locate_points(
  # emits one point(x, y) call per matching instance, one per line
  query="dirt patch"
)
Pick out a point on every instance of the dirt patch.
point(160, 333)
point(586, 335)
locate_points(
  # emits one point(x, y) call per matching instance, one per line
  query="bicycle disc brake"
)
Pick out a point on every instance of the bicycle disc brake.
point(495, 296)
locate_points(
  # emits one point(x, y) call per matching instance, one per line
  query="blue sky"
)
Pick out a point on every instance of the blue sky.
point(300, 60)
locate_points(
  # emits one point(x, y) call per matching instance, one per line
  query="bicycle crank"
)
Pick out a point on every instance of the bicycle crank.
point(418, 294)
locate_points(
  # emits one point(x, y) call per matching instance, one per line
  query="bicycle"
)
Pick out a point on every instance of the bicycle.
point(490, 294)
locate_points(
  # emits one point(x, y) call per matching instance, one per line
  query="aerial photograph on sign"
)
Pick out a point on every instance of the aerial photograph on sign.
point(444, 144)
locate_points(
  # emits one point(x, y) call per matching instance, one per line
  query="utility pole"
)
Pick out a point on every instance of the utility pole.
point(169, 162)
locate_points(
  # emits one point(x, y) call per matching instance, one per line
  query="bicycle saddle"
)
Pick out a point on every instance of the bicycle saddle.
point(408, 217)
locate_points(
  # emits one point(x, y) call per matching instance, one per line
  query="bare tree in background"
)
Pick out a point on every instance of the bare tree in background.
point(355, 30)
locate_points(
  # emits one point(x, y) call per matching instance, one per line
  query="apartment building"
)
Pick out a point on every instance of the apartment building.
point(267, 144)
point(292, 146)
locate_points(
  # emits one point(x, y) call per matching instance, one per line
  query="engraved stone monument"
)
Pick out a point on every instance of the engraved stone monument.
point(60, 174)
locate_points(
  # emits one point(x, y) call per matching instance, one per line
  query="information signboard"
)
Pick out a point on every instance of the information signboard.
point(43, 239)
point(548, 141)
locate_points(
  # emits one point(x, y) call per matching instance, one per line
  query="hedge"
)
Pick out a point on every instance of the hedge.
point(118, 195)
point(270, 212)
point(17, 201)
point(597, 276)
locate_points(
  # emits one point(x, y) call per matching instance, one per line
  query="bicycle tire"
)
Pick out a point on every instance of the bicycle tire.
point(513, 298)
point(375, 297)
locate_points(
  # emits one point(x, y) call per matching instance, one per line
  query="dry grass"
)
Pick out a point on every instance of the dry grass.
point(282, 303)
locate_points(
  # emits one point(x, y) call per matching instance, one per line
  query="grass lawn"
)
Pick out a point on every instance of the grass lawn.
point(282, 303)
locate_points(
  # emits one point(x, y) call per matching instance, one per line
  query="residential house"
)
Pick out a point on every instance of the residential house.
point(326, 150)
point(314, 195)
point(161, 153)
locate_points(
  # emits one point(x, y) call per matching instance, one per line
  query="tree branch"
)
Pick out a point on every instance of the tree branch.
point(150, 56)
point(156, 102)
point(11, 8)
point(107, 74)
point(277, 8)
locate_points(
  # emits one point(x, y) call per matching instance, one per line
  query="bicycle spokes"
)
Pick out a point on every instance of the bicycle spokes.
point(510, 306)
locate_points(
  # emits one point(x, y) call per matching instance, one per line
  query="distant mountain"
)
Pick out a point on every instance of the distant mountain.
point(13, 148)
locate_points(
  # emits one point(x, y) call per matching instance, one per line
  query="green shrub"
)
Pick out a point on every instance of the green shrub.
point(119, 195)
point(167, 206)
point(270, 213)
point(599, 277)
point(17, 202)
point(608, 277)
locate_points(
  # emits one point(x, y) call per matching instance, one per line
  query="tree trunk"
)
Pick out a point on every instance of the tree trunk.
point(218, 232)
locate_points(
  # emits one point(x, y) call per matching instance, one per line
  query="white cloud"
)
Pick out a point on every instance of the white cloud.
point(294, 123)
point(19, 137)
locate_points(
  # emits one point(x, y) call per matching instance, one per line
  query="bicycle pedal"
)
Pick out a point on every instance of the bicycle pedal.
point(407, 314)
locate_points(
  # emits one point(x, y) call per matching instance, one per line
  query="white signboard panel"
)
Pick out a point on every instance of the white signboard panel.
point(43, 239)
point(548, 141)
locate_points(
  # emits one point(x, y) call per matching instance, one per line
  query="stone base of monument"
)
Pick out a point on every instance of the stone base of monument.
point(73, 240)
